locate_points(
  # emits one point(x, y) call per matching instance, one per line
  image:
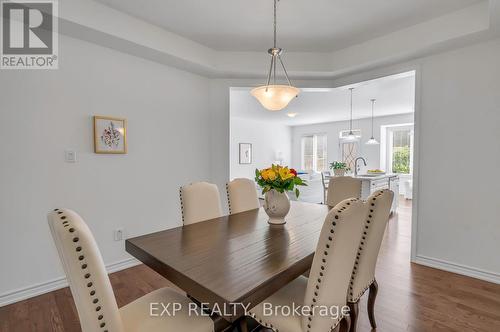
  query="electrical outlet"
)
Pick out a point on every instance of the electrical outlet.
point(119, 234)
point(70, 156)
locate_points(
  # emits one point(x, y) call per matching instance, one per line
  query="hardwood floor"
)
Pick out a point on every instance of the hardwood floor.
point(411, 297)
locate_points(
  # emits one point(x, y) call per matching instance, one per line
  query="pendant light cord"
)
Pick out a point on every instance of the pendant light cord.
point(275, 24)
point(276, 54)
point(350, 123)
point(373, 105)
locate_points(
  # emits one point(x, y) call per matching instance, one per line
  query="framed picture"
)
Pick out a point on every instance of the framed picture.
point(110, 135)
point(245, 153)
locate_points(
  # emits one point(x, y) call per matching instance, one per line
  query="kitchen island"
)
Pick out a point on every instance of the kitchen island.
point(373, 182)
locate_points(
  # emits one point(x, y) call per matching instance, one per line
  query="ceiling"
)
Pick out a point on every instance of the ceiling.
point(317, 26)
point(395, 95)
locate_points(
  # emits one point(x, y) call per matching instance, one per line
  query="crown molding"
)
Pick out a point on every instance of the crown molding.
point(96, 23)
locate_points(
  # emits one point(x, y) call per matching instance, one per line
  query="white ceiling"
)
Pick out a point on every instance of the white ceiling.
point(395, 95)
point(320, 25)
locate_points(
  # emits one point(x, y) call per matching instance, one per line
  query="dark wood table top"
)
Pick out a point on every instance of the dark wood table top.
point(234, 259)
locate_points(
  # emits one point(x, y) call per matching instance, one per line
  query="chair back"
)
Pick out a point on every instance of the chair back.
point(200, 201)
point(85, 271)
point(242, 195)
point(379, 205)
point(324, 177)
point(342, 187)
point(333, 263)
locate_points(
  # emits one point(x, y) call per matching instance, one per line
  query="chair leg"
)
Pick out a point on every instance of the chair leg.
point(347, 323)
point(371, 303)
point(353, 313)
point(243, 325)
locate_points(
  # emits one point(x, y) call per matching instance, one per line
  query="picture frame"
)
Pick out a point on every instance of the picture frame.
point(110, 135)
point(245, 153)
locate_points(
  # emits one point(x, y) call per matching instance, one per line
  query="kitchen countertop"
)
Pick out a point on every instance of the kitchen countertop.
point(375, 177)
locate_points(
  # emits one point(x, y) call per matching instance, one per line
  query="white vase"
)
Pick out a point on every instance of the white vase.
point(277, 206)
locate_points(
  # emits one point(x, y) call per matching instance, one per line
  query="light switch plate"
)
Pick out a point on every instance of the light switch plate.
point(70, 156)
point(118, 234)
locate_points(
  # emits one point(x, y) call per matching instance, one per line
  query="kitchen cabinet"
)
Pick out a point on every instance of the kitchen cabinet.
point(370, 184)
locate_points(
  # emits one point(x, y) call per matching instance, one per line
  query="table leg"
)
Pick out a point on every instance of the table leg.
point(220, 324)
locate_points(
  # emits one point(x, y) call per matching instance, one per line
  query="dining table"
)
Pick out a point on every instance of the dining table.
point(233, 262)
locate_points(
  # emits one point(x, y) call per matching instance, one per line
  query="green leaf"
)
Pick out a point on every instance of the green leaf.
point(297, 192)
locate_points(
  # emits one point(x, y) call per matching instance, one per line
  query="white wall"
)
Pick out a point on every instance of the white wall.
point(42, 113)
point(459, 210)
point(370, 152)
point(266, 139)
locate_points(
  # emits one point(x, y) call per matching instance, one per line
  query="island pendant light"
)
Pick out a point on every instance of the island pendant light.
point(351, 137)
point(272, 96)
point(372, 140)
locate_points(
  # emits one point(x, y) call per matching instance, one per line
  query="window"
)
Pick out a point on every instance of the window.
point(349, 153)
point(400, 149)
point(349, 150)
point(314, 156)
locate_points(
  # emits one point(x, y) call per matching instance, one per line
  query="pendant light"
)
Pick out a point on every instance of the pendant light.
point(351, 137)
point(272, 96)
point(372, 140)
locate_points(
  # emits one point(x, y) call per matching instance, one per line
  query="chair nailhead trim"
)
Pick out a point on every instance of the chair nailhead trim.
point(182, 205)
point(228, 198)
point(81, 257)
point(351, 296)
point(329, 244)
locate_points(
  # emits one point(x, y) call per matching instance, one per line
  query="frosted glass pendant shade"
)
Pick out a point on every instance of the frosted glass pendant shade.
point(372, 141)
point(351, 137)
point(275, 97)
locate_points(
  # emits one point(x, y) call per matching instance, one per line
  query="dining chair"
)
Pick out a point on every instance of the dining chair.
point(363, 275)
point(342, 187)
point(199, 201)
point(242, 195)
point(92, 292)
point(325, 176)
point(328, 281)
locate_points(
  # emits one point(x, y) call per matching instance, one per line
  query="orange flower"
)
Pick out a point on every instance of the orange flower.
point(268, 174)
point(285, 173)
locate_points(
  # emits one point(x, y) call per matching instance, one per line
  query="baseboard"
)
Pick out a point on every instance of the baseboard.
point(58, 283)
point(458, 268)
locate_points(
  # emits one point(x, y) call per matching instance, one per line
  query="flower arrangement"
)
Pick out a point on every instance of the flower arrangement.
point(279, 178)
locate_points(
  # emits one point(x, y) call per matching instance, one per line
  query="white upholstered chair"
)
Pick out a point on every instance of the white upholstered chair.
point(329, 279)
point(242, 195)
point(342, 187)
point(92, 291)
point(200, 201)
point(363, 276)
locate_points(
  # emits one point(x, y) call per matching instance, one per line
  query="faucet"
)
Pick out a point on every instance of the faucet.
point(356, 165)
